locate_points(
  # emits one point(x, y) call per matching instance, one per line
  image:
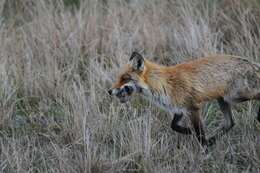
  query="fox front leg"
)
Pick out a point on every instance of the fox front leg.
point(195, 117)
point(178, 128)
point(196, 122)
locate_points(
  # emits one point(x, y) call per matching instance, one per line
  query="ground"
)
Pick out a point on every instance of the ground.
point(57, 62)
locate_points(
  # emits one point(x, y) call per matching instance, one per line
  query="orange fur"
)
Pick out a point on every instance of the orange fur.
point(185, 87)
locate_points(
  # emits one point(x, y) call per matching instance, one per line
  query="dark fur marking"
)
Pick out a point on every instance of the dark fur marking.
point(138, 60)
point(136, 55)
point(258, 115)
point(200, 134)
point(178, 128)
point(198, 125)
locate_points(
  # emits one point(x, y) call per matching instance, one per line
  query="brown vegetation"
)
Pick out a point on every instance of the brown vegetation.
point(56, 64)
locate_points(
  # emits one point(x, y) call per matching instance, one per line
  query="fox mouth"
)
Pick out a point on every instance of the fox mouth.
point(123, 94)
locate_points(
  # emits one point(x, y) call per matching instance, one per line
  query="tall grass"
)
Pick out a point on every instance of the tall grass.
point(56, 64)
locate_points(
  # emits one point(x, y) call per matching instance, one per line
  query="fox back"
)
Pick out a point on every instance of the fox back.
point(190, 83)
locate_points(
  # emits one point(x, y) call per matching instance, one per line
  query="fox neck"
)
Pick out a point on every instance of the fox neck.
point(157, 90)
point(161, 100)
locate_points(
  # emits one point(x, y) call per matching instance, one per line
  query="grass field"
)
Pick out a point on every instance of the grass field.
point(58, 60)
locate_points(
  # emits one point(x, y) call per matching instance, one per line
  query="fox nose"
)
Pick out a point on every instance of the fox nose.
point(110, 92)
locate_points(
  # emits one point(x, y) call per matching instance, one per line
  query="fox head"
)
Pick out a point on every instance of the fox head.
point(131, 80)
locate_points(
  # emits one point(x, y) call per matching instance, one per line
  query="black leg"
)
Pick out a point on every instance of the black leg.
point(258, 115)
point(176, 127)
point(198, 126)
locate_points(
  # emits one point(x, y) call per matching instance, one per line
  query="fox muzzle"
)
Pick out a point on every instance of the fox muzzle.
point(123, 93)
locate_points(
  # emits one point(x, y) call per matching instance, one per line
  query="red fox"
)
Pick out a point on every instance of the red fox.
point(184, 88)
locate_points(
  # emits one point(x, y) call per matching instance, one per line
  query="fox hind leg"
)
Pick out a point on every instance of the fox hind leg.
point(258, 115)
point(257, 97)
point(225, 107)
point(252, 94)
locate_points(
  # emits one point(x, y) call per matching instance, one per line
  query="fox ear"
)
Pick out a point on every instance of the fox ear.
point(137, 61)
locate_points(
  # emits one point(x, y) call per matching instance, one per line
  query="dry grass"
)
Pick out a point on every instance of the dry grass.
point(56, 65)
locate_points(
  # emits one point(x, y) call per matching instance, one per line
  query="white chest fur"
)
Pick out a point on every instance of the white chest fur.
point(162, 101)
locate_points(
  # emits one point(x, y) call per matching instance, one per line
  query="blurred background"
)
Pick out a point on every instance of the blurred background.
point(58, 58)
